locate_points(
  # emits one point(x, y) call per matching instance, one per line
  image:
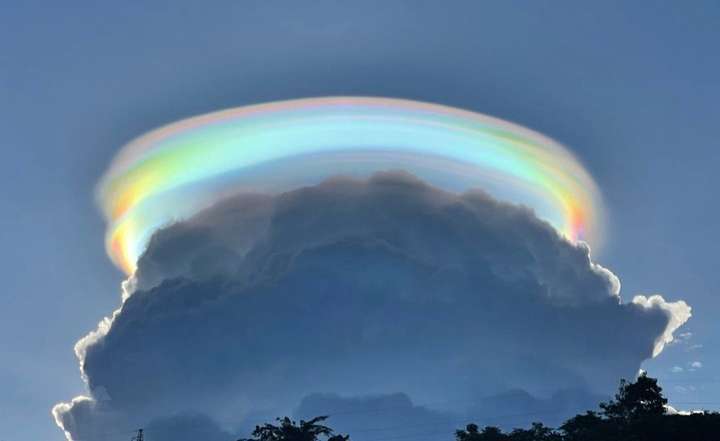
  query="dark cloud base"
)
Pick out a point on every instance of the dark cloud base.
point(359, 288)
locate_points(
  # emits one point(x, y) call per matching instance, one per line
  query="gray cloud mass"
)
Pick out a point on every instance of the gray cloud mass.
point(355, 294)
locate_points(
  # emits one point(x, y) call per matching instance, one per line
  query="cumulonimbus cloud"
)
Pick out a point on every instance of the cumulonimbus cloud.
point(357, 287)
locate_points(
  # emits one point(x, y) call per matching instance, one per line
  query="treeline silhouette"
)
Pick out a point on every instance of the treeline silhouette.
point(638, 412)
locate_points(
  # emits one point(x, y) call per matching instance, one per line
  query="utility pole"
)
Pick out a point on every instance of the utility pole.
point(139, 436)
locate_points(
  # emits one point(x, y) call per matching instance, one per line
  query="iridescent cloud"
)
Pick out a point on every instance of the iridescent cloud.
point(175, 171)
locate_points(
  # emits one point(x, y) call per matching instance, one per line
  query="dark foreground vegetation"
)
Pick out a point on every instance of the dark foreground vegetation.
point(637, 413)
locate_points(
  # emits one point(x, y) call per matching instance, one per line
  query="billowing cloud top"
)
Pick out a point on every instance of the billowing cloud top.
point(357, 287)
point(174, 172)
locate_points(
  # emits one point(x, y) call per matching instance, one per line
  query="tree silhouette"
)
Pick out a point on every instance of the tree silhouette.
point(538, 432)
point(586, 427)
point(638, 412)
point(471, 433)
point(288, 430)
point(640, 399)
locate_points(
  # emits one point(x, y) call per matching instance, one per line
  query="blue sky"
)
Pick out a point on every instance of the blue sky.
point(632, 88)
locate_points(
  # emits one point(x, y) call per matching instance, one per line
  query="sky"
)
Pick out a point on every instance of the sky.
point(631, 88)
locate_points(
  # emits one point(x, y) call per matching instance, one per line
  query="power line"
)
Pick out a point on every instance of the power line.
point(455, 421)
point(428, 405)
point(139, 433)
point(431, 404)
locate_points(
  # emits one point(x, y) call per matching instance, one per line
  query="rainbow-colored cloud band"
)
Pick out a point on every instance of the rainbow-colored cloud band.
point(177, 170)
